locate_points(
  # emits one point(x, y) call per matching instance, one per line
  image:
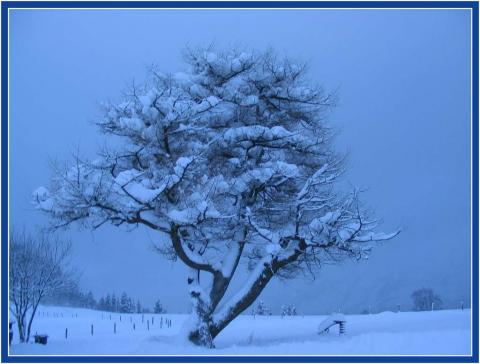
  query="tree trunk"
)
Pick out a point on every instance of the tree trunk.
point(266, 270)
point(201, 322)
point(204, 325)
point(31, 320)
point(244, 302)
point(201, 319)
point(21, 328)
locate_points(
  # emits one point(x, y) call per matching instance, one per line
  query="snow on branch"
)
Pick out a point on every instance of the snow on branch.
point(188, 256)
point(232, 159)
point(345, 230)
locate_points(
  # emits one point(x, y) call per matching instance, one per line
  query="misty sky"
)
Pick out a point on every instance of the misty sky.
point(403, 81)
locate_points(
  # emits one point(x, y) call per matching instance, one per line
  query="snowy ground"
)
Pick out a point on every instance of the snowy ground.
point(425, 333)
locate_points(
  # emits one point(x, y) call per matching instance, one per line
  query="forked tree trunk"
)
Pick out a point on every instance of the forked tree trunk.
point(208, 328)
point(210, 325)
point(29, 327)
point(21, 328)
point(205, 325)
point(244, 302)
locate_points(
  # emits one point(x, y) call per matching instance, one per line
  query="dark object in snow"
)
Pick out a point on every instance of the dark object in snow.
point(336, 319)
point(41, 339)
point(10, 333)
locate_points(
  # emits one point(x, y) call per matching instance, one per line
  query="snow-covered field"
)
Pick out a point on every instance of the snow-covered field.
point(388, 333)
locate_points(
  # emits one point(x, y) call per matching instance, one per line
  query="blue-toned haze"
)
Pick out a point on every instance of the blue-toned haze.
point(403, 81)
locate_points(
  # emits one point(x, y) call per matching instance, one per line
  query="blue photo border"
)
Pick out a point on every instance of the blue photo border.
point(6, 5)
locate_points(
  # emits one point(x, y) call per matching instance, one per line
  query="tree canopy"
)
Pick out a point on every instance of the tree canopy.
point(233, 161)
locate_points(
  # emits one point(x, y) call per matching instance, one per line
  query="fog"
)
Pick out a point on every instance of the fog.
point(403, 119)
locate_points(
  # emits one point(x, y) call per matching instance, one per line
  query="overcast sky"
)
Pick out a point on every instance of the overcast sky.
point(403, 79)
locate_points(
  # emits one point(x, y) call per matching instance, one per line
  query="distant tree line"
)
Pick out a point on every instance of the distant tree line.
point(261, 309)
point(122, 304)
point(71, 295)
point(424, 299)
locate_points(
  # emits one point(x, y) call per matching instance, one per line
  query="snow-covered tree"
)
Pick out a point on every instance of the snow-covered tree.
point(124, 305)
point(158, 308)
point(232, 162)
point(115, 304)
point(90, 301)
point(289, 310)
point(69, 294)
point(425, 299)
point(261, 309)
point(108, 303)
point(38, 266)
point(101, 304)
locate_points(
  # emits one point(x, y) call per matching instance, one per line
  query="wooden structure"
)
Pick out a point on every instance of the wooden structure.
point(333, 320)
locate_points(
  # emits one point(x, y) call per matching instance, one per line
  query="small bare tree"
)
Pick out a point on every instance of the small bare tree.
point(37, 266)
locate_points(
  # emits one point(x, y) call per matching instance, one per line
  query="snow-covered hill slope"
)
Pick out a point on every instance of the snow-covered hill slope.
point(388, 333)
